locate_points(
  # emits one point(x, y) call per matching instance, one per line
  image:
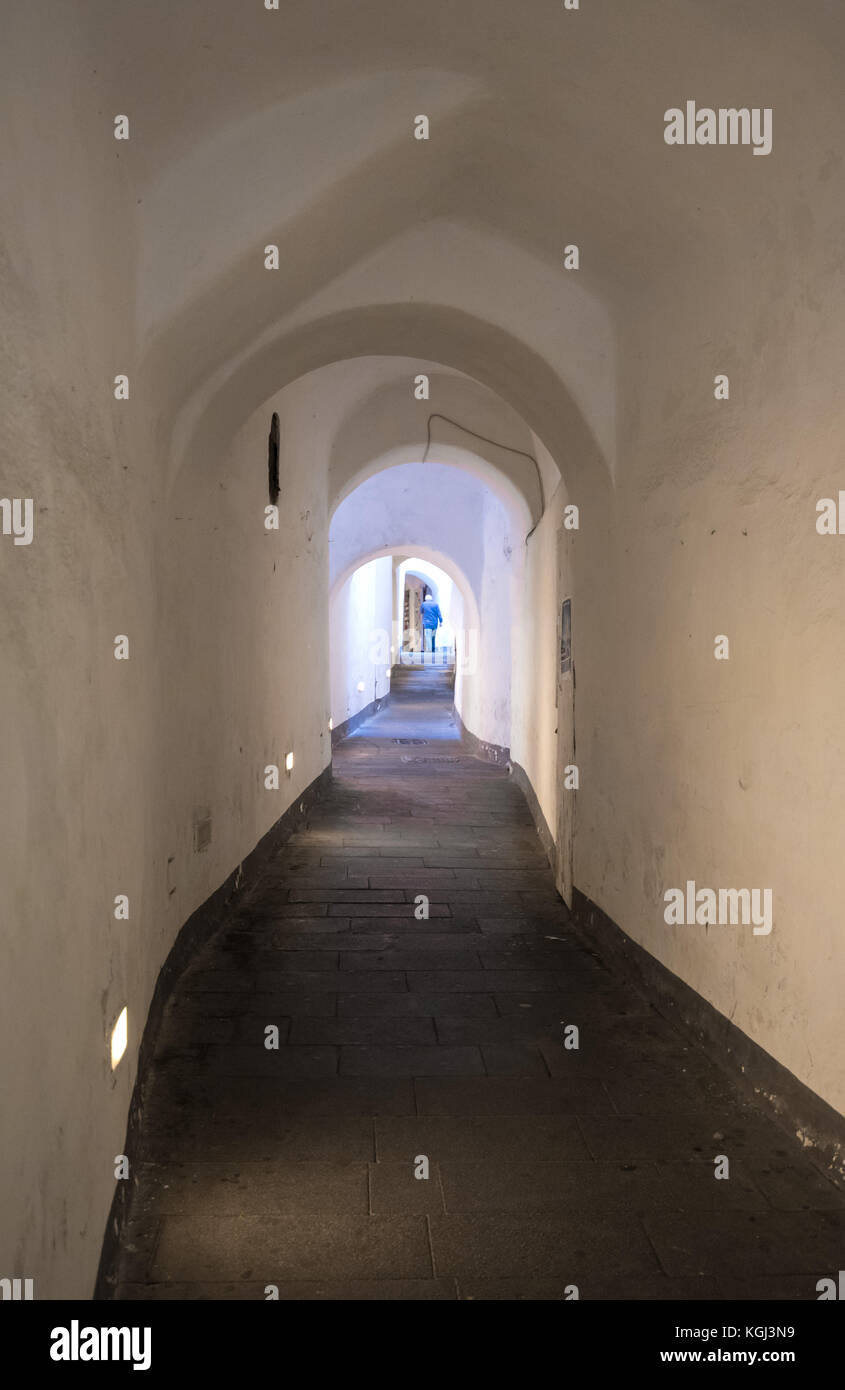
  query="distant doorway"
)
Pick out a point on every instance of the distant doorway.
point(419, 582)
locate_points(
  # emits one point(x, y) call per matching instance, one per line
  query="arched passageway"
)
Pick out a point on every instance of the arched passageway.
point(265, 345)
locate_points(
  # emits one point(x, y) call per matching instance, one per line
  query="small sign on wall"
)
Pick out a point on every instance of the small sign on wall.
point(566, 637)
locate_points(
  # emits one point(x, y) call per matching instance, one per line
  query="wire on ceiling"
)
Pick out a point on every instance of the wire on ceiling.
point(435, 415)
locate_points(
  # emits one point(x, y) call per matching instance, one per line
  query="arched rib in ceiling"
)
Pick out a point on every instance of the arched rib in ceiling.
point(461, 423)
point(570, 122)
point(326, 175)
point(478, 349)
point(429, 275)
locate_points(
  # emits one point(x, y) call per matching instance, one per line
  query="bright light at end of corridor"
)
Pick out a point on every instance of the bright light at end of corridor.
point(119, 1037)
point(289, 762)
point(361, 686)
point(331, 725)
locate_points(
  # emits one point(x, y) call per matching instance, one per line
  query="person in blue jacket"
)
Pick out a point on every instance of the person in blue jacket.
point(431, 617)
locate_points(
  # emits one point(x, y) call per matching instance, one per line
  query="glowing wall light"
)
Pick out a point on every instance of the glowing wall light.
point(361, 687)
point(331, 725)
point(119, 1037)
point(289, 762)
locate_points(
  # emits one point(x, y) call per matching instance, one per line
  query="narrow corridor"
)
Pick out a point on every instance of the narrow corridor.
point(549, 1166)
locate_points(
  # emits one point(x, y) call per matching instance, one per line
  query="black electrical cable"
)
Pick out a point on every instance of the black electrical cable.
point(496, 445)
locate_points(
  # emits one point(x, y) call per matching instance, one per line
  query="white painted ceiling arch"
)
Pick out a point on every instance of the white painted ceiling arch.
point(489, 354)
point(277, 174)
point(472, 462)
point(461, 423)
point(304, 133)
point(457, 295)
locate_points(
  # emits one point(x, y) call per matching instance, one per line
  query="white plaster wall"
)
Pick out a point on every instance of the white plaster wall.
point(500, 575)
point(535, 661)
point(721, 772)
point(728, 772)
point(76, 727)
point(361, 634)
point(107, 764)
point(244, 651)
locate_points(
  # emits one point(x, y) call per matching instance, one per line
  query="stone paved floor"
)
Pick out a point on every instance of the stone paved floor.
point(399, 1038)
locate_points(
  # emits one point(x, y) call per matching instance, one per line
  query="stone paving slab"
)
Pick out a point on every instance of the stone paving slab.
point(498, 1185)
point(460, 957)
point(496, 1095)
point(332, 1097)
point(389, 1032)
point(305, 1246)
point(570, 1248)
point(415, 1005)
point(275, 1187)
point(679, 1135)
point(297, 1291)
point(475, 1138)
point(743, 1244)
point(304, 1138)
point(411, 1061)
point(394, 1190)
point(643, 1288)
point(411, 924)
